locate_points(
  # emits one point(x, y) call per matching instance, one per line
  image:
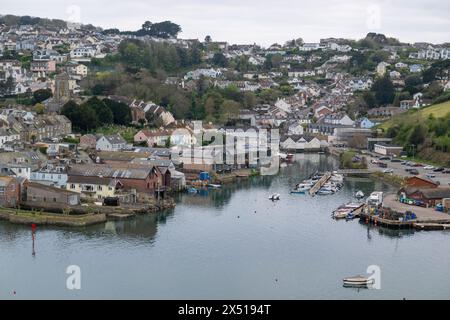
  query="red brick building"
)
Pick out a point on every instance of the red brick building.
point(420, 182)
point(88, 141)
point(429, 196)
point(9, 192)
point(142, 179)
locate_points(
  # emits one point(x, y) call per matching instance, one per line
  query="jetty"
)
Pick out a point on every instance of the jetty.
point(425, 218)
point(356, 171)
point(319, 184)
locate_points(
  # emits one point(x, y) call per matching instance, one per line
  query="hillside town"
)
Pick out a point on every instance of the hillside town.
point(322, 96)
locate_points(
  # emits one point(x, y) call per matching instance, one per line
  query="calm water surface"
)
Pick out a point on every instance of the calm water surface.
point(231, 243)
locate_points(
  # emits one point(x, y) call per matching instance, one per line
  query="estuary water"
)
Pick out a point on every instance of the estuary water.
point(230, 243)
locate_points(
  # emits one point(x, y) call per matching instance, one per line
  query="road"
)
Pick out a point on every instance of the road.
point(399, 170)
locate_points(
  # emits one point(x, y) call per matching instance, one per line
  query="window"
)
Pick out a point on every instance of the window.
point(99, 188)
point(54, 199)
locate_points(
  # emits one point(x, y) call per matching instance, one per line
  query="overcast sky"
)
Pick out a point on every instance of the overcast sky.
point(261, 21)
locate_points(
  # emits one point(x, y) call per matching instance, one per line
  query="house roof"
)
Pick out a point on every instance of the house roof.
point(90, 180)
point(436, 193)
point(109, 171)
point(49, 188)
point(115, 139)
point(423, 179)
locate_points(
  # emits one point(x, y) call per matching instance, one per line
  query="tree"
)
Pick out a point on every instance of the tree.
point(103, 112)
point(121, 111)
point(230, 109)
point(7, 87)
point(384, 90)
point(42, 95)
point(413, 80)
point(369, 99)
point(39, 108)
point(83, 117)
point(417, 135)
point(168, 143)
point(429, 74)
point(165, 29)
point(220, 60)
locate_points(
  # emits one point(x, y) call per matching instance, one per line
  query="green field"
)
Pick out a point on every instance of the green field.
point(423, 133)
point(438, 111)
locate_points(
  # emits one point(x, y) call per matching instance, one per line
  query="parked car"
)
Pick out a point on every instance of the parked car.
point(384, 158)
point(418, 165)
point(429, 167)
point(431, 175)
point(446, 171)
point(404, 163)
point(389, 170)
point(396, 160)
point(414, 172)
point(440, 169)
point(382, 165)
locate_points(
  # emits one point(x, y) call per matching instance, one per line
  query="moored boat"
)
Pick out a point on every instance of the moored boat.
point(274, 197)
point(357, 281)
point(359, 194)
point(302, 188)
point(348, 211)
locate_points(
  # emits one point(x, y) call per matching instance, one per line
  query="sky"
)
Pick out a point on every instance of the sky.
point(263, 22)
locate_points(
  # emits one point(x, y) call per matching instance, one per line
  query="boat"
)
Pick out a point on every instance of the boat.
point(214, 186)
point(359, 194)
point(274, 197)
point(348, 211)
point(302, 188)
point(325, 191)
point(192, 190)
point(375, 198)
point(358, 281)
point(335, 177)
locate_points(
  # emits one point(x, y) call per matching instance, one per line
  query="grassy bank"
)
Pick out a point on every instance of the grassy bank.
point(423, 133)
point(388, 178)
point(46, 218)
point(352, 160)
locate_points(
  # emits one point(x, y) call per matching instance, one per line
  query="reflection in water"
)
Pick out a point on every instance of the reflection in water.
point(202, 250)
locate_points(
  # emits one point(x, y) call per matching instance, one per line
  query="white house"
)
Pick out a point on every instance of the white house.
point(111, 143)
point(54, 176)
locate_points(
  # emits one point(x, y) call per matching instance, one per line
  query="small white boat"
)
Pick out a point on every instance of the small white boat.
point(214, 186)
point(325, 192)
point(302, 188)
point(359, 194)
point(348, 211)
point(337, 178)
point(358, 281)
point(274, 197)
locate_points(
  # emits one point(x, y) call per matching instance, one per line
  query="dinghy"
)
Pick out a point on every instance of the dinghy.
point(359, 194)
point(348, 211)
point(301, 188)
point(274, 197)
point(358, 281)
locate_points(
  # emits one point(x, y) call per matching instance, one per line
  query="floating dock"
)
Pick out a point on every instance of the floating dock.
point(319, 184)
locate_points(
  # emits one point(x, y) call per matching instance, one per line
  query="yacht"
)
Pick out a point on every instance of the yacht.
point(302, 187)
